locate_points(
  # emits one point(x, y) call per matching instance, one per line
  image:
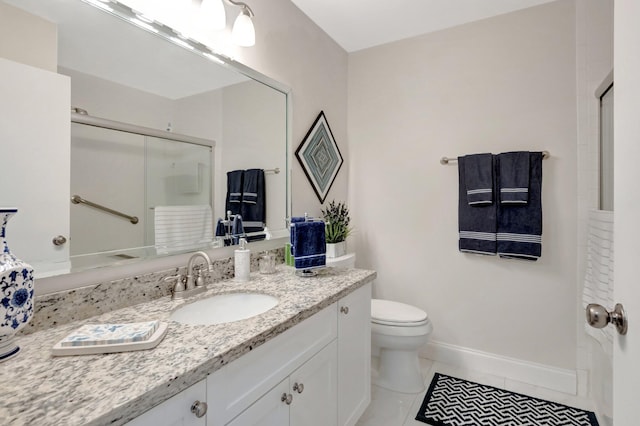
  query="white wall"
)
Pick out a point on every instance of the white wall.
point(253, 119)
point(293, 50)
point(501, 84)
point(28, 39)
point(105, 99)
point(594, 60)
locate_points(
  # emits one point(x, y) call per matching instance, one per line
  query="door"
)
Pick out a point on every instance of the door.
point(177, 411)
point(272, 409)
point(34, 141)
point(626, 349)
point(314, 388)
point(354, 355)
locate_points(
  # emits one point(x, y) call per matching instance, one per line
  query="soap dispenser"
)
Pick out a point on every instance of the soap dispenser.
point(242, 262)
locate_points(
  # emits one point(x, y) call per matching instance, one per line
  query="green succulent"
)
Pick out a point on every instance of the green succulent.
point(336, 218)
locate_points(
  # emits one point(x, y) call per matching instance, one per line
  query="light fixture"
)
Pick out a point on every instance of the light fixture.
point(243, 33)
point(212, 11)
point(212, 14)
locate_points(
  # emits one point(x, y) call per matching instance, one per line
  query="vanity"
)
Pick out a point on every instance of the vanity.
point(305, 361)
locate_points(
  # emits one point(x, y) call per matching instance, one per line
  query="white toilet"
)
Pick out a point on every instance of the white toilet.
point(399, 330)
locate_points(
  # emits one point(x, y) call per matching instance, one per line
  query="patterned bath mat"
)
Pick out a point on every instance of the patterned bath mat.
point(457, 402)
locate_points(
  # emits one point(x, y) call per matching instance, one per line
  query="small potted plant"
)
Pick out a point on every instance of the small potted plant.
point(336, 218)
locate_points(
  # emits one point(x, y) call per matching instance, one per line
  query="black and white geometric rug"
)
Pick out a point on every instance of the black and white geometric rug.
point(457, 402)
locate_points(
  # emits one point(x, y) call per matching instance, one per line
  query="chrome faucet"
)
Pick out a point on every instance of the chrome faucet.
point(199, 281)
point(190, 285)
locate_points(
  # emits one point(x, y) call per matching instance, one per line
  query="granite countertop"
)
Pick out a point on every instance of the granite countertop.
point(38, 388)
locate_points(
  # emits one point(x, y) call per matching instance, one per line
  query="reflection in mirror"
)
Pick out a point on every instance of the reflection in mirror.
point(122, 73)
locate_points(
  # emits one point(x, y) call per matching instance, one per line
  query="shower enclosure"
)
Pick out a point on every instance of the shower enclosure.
point(127, 171)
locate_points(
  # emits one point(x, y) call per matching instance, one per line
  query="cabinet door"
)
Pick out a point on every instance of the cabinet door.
point(314, 387)
point(269, 410)
point(354, 355)
point(176, 411)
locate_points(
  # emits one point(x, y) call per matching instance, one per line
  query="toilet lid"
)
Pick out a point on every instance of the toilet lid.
point(390, 312)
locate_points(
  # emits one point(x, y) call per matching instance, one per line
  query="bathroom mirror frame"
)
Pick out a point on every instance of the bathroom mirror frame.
point(169, 35)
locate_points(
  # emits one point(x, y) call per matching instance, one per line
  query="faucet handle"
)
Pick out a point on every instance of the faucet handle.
point(180, 283)
point(199, 280)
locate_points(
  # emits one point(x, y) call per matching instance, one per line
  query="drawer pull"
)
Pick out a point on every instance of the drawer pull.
point(344, 310)
point(286, 398)
point(298, 387)
point(199, 408)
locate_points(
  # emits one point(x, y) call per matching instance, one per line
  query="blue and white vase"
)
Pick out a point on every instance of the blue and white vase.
point(16, 292)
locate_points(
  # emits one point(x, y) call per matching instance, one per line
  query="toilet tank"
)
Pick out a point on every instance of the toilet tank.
point(346, 261)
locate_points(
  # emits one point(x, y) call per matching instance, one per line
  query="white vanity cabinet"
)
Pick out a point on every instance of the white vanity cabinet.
point(177, 410)
point(354, 355)
point(307, 397)
point(317, 373)
point(332, 388)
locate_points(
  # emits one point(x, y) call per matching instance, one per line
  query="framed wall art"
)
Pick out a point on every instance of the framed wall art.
point(320, 157)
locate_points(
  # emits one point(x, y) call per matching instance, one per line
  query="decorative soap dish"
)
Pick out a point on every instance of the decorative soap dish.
point(110, 338)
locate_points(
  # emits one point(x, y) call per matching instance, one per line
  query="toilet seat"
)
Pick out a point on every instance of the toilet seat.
point(388, 312)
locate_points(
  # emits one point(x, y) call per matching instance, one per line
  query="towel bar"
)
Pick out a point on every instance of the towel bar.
point(447, 160)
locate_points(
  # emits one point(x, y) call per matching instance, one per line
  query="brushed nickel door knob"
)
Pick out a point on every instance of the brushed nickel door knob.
point(286, 398)
point(599, 317)
point(298, 387)
point(59, 240)
point(344, 310)
point(199, 408)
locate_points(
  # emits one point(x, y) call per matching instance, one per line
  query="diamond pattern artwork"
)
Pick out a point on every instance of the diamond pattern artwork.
point(320, 157)
point(457, 402)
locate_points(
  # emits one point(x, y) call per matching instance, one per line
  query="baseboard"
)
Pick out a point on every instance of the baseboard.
point(549, 377)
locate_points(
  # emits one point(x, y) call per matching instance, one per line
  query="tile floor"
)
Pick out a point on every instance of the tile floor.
point(390, 408)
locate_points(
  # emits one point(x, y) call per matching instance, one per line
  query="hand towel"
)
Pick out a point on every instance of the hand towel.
point(476, 223)
point(180, 228)
point(520, 225)
point(237, 229)
point(308, 244)
point(253, 208)
point(598, 280)
point(221, 230)
point(235, 181)
point(478, 172)
point(514, 177)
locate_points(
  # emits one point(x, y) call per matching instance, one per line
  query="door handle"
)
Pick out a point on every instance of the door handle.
point(599, 317)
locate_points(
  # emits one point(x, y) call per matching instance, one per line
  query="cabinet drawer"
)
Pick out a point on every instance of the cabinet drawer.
point(234, 387)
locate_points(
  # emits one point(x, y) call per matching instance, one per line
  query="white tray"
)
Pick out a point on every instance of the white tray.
point(151, 342)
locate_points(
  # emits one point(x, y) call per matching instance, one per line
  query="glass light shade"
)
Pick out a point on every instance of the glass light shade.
point(213, 14)
point(243, 33)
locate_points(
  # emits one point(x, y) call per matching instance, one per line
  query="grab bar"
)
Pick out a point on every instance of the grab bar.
point(76, 199)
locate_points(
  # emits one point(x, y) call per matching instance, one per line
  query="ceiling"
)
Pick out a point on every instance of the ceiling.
point(359, 24)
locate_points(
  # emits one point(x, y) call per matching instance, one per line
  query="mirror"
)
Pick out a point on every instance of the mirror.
point(123, 73)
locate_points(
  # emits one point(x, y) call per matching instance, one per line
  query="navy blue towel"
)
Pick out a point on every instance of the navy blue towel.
point(514, 177)
point(476, 223)
point(221, 230)
point(234, 191)
point(254, 200)
point(308, 244)
point(520, 225)
point(237, 229)
point(478, 172)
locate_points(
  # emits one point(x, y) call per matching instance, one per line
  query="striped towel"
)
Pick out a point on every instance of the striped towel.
point(598, 280)
point(180, 228)
point(520, 225)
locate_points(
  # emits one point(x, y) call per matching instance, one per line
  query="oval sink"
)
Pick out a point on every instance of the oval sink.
point(224, 308)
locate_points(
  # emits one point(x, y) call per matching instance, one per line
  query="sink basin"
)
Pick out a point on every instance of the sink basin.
point(224, 308)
